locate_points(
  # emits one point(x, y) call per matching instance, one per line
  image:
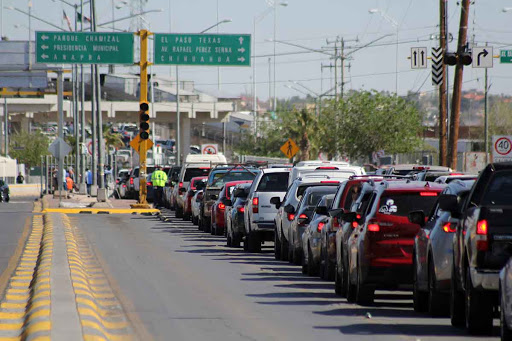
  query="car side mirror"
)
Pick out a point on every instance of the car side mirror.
point(199, 197)
point(417, 217)
point(167, 184)
point(200, 185)
point(336, 213)
point(289, 209)
point(448, 202)
point(322, 210)
point(182, 190)
point(349, 217)
point(227, 202)
point(276, 201)
point(214, 196)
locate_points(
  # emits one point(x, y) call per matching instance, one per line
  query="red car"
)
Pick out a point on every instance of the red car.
point(380, 248)
point(218, 220)
point(189, 194)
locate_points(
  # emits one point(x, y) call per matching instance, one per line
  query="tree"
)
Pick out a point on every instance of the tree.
point(28, 147)
point(371, 121)
point(112, 139)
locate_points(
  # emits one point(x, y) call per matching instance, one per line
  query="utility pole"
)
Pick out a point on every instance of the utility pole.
point(83, 186)
point(457, 86)
point(443, 91)
point(94, 163)
point(486, 115)
point(336, 70)
point(102, 196)
point(342, 60)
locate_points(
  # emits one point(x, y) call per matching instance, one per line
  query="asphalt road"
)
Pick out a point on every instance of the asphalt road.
point(181, 284)
point(13, 218)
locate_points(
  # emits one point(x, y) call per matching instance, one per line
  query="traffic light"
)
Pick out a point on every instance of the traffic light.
point(144, 120)
point(450, 58)
point(463, 58)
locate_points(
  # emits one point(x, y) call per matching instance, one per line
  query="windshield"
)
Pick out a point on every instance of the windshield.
point(218, 179)
point(400, 204)
point(274, 182)
point(195, 172)
point(499, 191)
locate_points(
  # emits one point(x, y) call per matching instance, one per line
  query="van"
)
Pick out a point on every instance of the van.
point(195, 165)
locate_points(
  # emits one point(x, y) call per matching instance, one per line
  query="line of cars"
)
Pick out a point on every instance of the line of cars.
point(445, 236)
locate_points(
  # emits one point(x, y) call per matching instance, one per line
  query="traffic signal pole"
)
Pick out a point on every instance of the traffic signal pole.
point(457, 85)
point(143, 137)
point(443, 92)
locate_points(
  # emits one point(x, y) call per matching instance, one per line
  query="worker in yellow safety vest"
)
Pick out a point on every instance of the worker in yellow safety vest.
point(159, 178)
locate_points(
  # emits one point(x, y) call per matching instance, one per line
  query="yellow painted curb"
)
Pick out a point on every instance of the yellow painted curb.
point(100, 211)
point(25, 308)
point(101, 315)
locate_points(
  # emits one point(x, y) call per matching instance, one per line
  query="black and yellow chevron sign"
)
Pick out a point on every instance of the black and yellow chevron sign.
point(437, 65)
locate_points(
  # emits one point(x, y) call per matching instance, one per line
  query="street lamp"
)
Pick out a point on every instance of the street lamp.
point(506, 9)
point(256, 20)
point(283, 4)
point(395, 24)
point(225, 21)
point(30, 15)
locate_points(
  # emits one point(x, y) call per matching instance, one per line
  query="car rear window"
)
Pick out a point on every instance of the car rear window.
point(195, 172)
point(273, 182)
point(315, 196)
point(499, 191)
point(400, 204)
point(301, 189)
point(220, 178)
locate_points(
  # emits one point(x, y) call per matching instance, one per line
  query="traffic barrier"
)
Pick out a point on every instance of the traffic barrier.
point(100, 313)
point(25, 308)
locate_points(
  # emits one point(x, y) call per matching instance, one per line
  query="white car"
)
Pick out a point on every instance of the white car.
point(259, 211)
point(196, 206)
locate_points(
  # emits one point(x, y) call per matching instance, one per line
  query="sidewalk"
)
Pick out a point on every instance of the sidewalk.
point(77, 203)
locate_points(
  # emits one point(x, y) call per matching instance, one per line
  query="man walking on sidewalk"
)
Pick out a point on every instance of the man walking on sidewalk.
point(159, 178)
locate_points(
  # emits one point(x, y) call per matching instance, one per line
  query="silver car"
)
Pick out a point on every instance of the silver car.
point(505, 293)
point(312, 236)
point(433, 254)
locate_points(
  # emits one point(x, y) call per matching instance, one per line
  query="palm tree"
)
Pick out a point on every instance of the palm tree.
point(112, 139)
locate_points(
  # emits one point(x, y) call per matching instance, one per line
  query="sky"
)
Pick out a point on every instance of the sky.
point(311, 24)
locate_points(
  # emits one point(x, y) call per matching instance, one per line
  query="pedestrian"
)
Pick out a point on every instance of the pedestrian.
point(20, 179)
point(159, 178)
point(69, 184)
point(88, 180)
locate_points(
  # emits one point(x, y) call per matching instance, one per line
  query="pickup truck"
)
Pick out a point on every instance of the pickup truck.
point(482, 245)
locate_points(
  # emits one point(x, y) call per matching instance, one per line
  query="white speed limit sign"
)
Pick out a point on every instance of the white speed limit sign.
point(502, 148)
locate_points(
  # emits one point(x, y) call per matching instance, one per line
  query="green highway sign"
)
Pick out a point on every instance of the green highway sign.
point(203, 49)
point(84, 48)
point(506, 56)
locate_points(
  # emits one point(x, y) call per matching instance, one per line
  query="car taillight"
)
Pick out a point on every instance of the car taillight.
point(149, 183)
point(291, 216)
point(124, 185)
point(241, 209)
point(329, 168)
point(329, 182)
point(255, 203)
point(335, 223)
point(481, 227)
point(355, 224)
point(320, 226)
point(180, 184)
point(448, 228)
point(222, 206)
point(303, 216)
point(428, 194)
point(117, 181)
point(373, 227)
point(481, 230)
point(131, 181)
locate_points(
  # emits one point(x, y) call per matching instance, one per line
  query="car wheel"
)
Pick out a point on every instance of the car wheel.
point(322, 268)
point(207, 227)
point(179, 212)
point(505, 331)
point(437, 302)
point(277, 246)
point(186, 216)
point(419, 298)
point(364, 293)
point(235, 241)
point(337, 282)
point(200, 226)
point(297, 256)
point(229, 242)
point(284, 248)
point(479, 309)
point(254, 242)
point(351, 288)
point(304, 264)
point(290, 249)
point(246, 243)
point(457, 313)
point(312, 269)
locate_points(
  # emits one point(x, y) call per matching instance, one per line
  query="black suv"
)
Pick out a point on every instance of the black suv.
point(481, 247)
